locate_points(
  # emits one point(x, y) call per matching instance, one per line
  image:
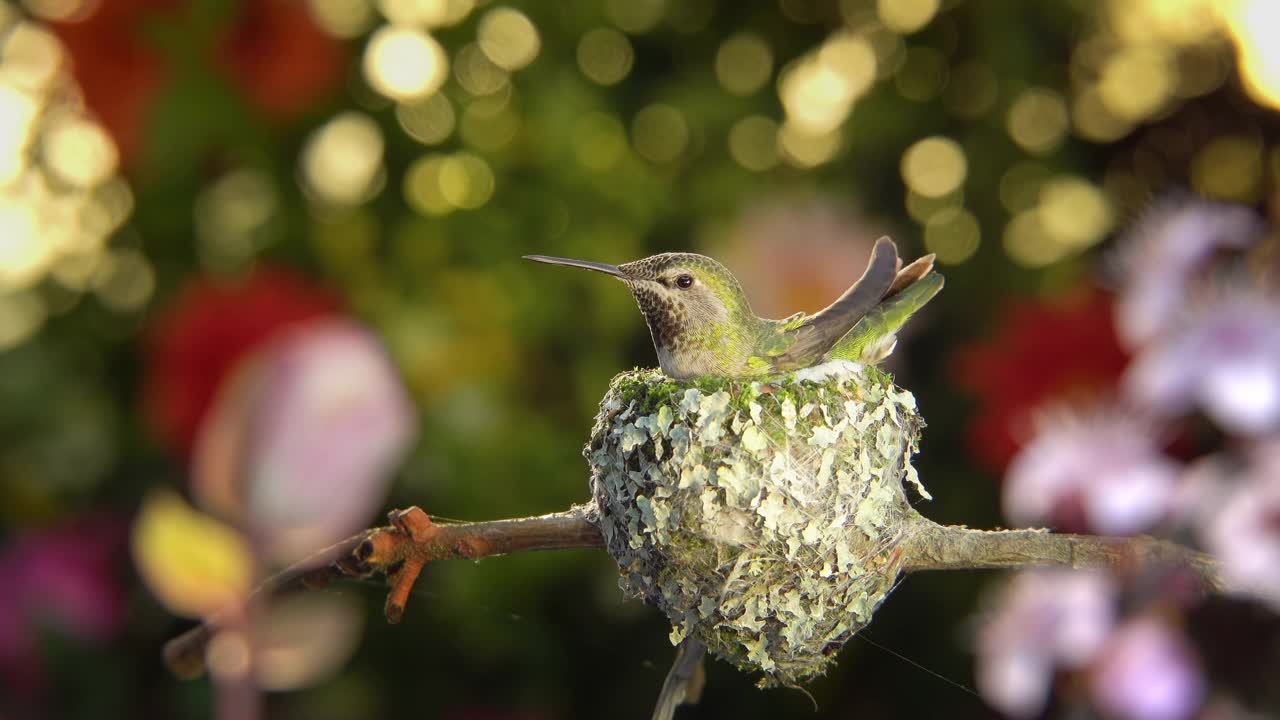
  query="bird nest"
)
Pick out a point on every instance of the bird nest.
point(761, 517)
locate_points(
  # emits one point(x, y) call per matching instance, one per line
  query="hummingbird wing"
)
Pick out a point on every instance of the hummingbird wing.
point(811, 339)
point(874, 336)
point(683, 685)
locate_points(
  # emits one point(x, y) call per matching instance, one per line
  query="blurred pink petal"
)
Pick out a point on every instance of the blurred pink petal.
point(67, 578)
point(1224, 359)
point(1162, 255)
point(1103, 463)
point(1016, 682)
point(305, 438)
point(1244, 531)
point(305, 639)
point(1147, 672)
point(798, 253)
point(69, 575)
point(1042, 619)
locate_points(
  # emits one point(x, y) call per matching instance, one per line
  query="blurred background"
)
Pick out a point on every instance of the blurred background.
point(260, 280)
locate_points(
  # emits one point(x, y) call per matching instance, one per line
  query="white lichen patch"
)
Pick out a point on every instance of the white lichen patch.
point(763, 518)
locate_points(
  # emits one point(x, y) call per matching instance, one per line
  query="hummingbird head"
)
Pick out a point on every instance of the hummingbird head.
point(693, 305)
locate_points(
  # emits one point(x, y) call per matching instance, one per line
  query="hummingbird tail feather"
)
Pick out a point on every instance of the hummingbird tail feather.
point(874, 337)
point(819, 333)
point(908, 275)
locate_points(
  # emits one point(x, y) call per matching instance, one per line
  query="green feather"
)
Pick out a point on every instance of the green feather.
point(870, 339)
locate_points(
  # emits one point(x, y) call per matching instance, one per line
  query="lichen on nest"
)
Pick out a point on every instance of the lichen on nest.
point(761, 517)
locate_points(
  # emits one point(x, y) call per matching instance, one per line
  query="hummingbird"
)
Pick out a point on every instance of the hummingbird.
point(702, 324)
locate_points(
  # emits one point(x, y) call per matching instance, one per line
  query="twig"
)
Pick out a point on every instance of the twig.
point(946, 547)
point(398, 551)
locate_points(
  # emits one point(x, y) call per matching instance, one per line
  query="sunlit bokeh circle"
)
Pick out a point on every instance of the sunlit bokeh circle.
point(405, 63)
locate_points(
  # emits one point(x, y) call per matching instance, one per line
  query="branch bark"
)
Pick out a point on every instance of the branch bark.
point(400, 551)
point(948, 547)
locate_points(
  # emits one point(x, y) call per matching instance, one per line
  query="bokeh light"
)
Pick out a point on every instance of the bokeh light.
point(508, 38)
point(660, 133)
point(1074, 213)
point(425, 13)
point(922, 208)
point(21, 314)
point(439, 184)
point(804, 148)
point(1025, 241)
point(430, 121)
point(342, 161)
point(1181, 22)
point(1229, 167)
point(1094, 121)
point(64, 10)
point(605, 56)
point(125, 280)
point(1136, 82)
point(476, 73)
point(1251, 23)
point(636, 16)
point(1038, 120)
point(231, 216)
point(489, 123)
point(466, 181)
point(1019, 187)
point(934, 166)
point(60, 195)
point(342, 18)
point(422, 186)
point(744, 63)
point(79, 152)
point(906, 16)
point(405, 63)
point(32, 57)
point(753, 142)
point(953, 234)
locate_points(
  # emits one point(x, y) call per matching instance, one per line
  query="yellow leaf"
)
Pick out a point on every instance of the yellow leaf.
point(194, 564)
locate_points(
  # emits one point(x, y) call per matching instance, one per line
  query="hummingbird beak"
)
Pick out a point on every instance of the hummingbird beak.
point(584, 264)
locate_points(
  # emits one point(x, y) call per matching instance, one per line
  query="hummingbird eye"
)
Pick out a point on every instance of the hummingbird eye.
point(684, 282)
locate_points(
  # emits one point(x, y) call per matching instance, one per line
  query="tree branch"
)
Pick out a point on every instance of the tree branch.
point(398, 551)
point(945, 547)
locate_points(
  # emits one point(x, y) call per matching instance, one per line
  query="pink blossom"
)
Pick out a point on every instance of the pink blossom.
point(1147, 672)
point(1224, 359)
point(1162, 255)
point(1042, 619)
point(1103, 464)
point(302, 442)
point(1242, 531)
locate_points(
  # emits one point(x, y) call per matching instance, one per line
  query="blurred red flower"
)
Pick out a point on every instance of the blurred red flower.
point(1041, 352)
point(192, 346)
point(280, 58)
point(272, 49)
point(119, 71)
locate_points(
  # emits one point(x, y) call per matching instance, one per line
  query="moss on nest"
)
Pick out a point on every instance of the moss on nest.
point(761, 517)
